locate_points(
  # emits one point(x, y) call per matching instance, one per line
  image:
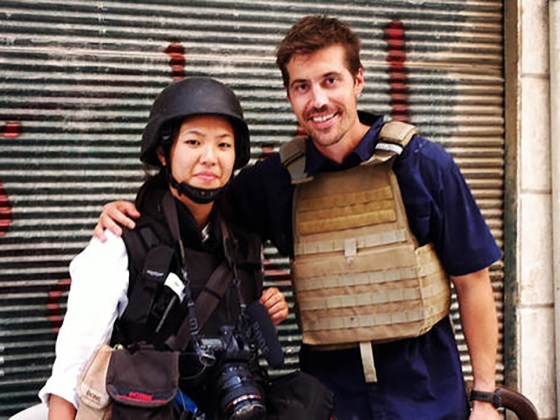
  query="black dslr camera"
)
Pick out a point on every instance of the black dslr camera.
point(239, 395)
point(234, 388)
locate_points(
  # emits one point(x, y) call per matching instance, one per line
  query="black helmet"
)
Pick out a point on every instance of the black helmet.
point(190, 97)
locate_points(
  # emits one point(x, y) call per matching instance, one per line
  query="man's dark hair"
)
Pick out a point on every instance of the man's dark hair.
point(312, 33)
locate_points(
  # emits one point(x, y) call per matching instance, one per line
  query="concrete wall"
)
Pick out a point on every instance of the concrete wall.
point(535, 308)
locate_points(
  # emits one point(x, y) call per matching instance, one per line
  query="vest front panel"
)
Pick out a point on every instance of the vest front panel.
point(358, 272)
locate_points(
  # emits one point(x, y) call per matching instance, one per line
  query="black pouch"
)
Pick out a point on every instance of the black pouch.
point(298, 396)
point(143, 383)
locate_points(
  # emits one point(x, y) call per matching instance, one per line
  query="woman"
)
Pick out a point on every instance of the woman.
point(197, 136)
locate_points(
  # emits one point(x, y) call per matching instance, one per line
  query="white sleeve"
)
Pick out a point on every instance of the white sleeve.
point(98, 295)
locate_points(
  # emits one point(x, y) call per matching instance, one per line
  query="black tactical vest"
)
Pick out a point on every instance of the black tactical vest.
point(153, 256)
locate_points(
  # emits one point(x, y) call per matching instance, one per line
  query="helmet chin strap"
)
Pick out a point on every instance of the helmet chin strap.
point(198, 195)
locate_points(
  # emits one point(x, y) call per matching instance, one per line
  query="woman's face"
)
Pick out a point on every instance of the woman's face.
point(203, 152)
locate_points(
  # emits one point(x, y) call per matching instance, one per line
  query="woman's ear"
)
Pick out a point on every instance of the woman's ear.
point(161, 156)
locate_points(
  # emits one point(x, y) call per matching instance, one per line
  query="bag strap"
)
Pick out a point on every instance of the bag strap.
point(142, 295)
point(138, 244)
point(149, 262)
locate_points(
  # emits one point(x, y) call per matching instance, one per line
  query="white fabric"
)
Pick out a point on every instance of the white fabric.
point(98, 295)
point(35, 412)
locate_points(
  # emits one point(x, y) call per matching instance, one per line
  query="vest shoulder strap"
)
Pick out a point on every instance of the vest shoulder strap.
point(395, 136)
point(292, 157)
point(150, 262)
point(139, 243)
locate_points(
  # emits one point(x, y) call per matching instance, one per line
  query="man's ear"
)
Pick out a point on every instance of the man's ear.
point(359, 82)
point(161, 155)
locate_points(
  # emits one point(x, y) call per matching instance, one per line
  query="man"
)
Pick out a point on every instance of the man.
point(405, 376)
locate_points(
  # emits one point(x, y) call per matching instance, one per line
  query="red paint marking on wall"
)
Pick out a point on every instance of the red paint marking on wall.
point(54, 304)
point(11, 129)
point(5, 211)
point(398, 78)
point(176, 52)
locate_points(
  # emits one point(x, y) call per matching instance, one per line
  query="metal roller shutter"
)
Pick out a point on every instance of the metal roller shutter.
point(76, 84)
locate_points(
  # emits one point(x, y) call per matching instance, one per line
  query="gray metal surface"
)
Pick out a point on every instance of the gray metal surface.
point(76, 82)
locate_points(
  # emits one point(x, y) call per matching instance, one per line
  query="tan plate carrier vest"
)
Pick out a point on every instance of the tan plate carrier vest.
point(358, 272)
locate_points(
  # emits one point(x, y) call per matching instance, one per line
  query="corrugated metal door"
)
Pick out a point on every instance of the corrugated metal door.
point(77, 80)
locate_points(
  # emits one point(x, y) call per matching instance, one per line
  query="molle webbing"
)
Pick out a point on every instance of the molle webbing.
point(358, 272)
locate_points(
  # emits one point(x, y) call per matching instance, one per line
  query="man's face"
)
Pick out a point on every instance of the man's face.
point(323, 94)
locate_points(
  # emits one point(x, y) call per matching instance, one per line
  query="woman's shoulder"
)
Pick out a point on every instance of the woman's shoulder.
point(100, 254)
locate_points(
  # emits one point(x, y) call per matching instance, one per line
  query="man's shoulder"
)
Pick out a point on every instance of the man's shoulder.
point(421, 150)
point(263, 170)
point(426, 165)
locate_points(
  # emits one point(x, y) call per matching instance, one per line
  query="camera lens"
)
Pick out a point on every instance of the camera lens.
point(239, 395)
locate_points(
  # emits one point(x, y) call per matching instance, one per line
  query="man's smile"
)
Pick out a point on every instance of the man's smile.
point(323, 118)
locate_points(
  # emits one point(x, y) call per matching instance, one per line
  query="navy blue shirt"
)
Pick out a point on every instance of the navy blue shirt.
point(419, 377)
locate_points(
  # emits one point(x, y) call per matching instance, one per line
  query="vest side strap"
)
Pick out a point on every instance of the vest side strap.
point(368, 363)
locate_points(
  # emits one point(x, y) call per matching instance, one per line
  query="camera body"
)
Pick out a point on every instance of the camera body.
point(234, 388)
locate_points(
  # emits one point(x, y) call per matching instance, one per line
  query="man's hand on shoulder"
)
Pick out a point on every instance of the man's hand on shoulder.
point(115, 215)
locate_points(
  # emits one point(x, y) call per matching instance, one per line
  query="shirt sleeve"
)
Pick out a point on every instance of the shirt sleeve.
point(464, 241)
point(442, 210)
point(261, 196)
point(98, 295)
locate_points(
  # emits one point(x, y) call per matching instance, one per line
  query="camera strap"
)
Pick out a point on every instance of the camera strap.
point(215, 288)
point(205, 304)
